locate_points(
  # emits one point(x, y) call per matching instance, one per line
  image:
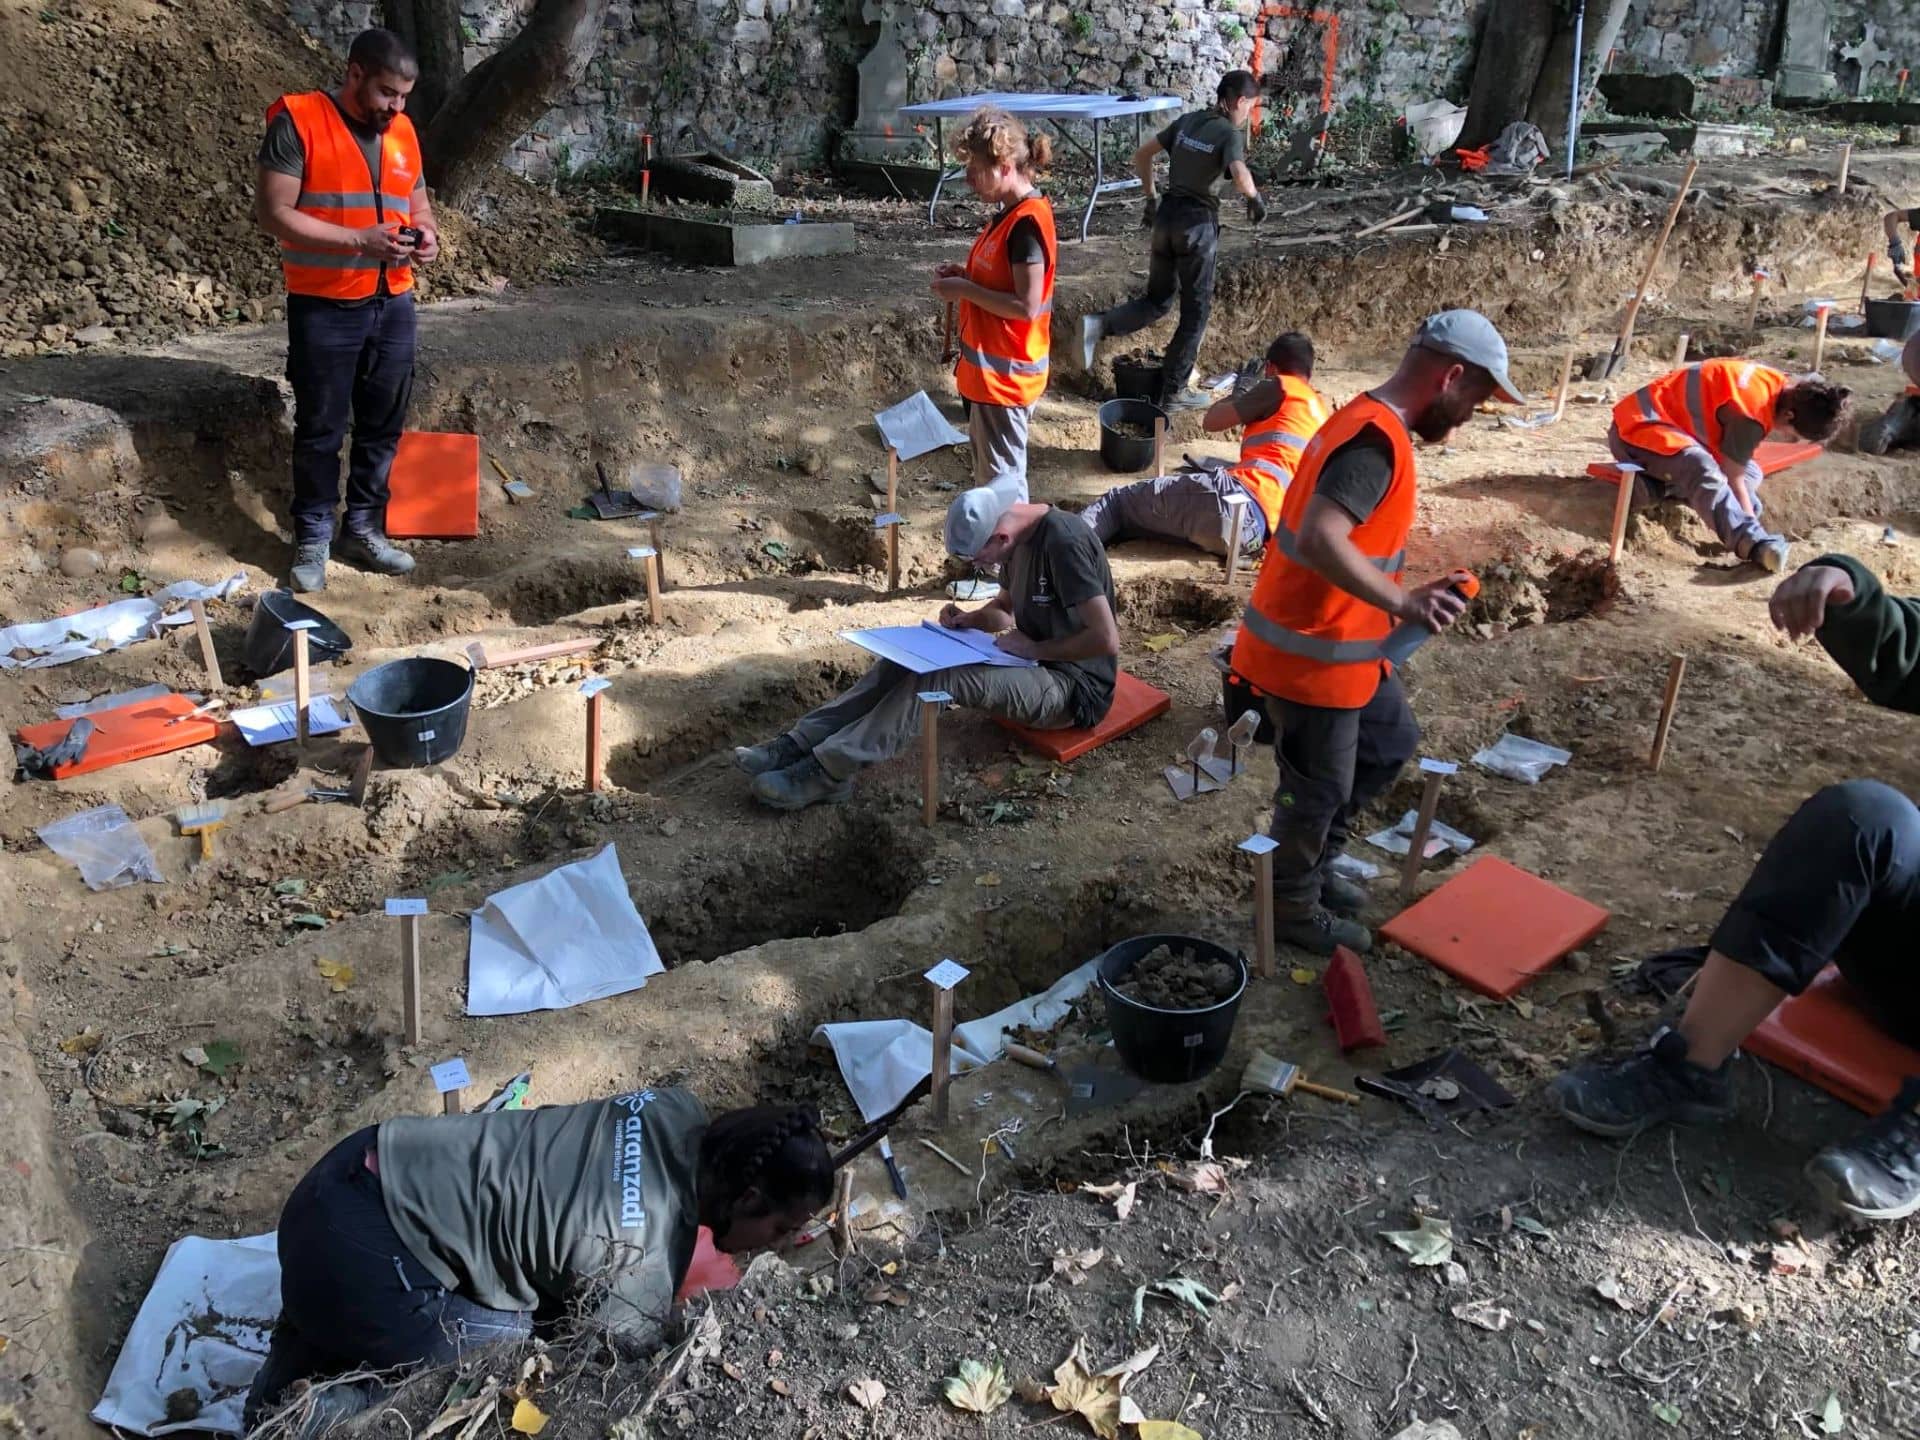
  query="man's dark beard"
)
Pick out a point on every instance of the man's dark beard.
point(1440, 419)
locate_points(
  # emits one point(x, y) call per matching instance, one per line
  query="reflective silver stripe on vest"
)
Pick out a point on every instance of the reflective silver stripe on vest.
point(1697, 401)
point(1311, 647)
point(1275, 437)
point(329, 260)
point(1289, 544)
point(1270, 468)
point(1000, 364)
point(351, 200)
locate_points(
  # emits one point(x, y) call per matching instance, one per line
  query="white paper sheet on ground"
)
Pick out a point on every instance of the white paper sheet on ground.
point(204, 1324)
point(105, 627)
point(915, 427)
point(882, 1060)
point(270, 724)
point(1441, 836)
point(1518, 758)
point(569, 937)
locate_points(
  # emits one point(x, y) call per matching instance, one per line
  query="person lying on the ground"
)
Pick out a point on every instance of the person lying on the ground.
point(1056, 608)
point(1873, 636)
point(1896, 248)
point(1900, 426)
point(1694, 432)
point(1281, 413)
point(422, 1238)
point(1839, 884)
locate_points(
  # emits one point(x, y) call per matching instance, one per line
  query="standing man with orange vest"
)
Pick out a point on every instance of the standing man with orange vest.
point(1281, 412)
point(1694, 432)
point(340, 188)
point(1329, 593)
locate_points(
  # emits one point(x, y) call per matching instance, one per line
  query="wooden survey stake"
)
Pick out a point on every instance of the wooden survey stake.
point(1680, 349)
point(1566, 386)
point(893, 508)
point(1159, 444)
point(943, 977)
point(1436, 771)
point(409, 912)
point(593, 687)
point(931, 702)
point(1622, 506)
point(1846, 164)
point(1261, 847)
point(1236, 521)
point(1676, 672)
point(650, 558)
point(198, 609)
point(1753, 308)
point(659, 548)
point(302, 679)
point(1821, 316)
point(450, 1078)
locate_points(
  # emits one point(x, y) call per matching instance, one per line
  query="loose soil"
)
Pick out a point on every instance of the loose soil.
point(170, 463)
point(1172, 979)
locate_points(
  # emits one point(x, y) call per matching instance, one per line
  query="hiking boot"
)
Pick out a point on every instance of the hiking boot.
point(1899, 426)
point(1341, 895)
point(1770, 555)
point(1620, 1098)
point(1093, 330)
point(801, 784)
point(1188, 399)
point(1876, 1174)
point(1319, 931)
point(309, 571)
point(777, 754)
point(372, 549)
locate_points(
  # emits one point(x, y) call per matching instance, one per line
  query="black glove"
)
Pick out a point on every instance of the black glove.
point(1896, 251)
point(1149, 211)
point(1256, 209)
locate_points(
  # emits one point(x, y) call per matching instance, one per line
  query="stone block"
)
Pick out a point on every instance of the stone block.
point(1010, 9)
point(752, 32)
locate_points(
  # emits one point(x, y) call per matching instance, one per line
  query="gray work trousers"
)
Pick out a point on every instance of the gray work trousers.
point(999, 434)
point(1189, 507)
point(1333, 763)
point(1696, 477)
point(880, 716)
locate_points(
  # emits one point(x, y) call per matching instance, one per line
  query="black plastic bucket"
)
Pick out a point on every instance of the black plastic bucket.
point(1893, 319)
point(1137, 379)
point(1120, 452)
point(269, 647)
point(414, 710)
point(1169, 1047)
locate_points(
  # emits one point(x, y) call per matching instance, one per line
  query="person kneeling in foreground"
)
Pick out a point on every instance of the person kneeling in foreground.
point(421, 1238)
point(1056, 608)
point(1840, 883)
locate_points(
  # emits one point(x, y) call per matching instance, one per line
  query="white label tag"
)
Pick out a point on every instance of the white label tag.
point(594, 684)
point(1439, 767)
point(934, 697)
point(303, 624)
point(450, 1075)
point(1259, 844)
point(881, 522)
point(406, 907)
point(641, 552)
point(947, 974)
point(425, 735)
point(1193, 1041)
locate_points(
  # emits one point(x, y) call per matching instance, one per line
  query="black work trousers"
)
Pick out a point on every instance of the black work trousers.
point(351, 367)
point(1186, 252)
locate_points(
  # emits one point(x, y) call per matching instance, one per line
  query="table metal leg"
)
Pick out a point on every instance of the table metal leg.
point(939, 161)
point(1099, 180)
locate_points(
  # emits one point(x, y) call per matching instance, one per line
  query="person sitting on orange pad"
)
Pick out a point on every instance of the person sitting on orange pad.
point(1840, 884)
point(1694, 430)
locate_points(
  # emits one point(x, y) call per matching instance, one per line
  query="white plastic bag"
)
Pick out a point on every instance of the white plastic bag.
point(106, 847)
point(1518, 758)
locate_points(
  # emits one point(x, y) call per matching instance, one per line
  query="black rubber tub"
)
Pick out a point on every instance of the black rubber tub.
point(414, 710)
point(1169, 1047)
point(269, 647)
point(1893, 319)
point(1121, 452)
point(1137, 379)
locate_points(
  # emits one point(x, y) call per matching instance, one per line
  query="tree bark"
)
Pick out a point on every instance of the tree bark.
point(1513, 49)
point(432, 28)
point(1553, 90)
point(502, 96)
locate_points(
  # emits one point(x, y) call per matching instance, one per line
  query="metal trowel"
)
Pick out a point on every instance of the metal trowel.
point(611, 504)
point(1088, 1087)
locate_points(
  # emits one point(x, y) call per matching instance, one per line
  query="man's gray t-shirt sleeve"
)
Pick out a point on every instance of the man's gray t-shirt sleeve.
point(281, 150)
point(1356, 476)
point(1234, 150)
point(1257, 401)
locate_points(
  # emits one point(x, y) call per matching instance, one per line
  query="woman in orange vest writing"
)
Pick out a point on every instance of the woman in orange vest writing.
point(1195, 506)
point(1329, 594)
point(1694, 432)
point(340, 188)
point(1004, 297)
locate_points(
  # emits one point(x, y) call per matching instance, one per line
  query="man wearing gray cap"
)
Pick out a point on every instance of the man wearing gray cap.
point(1056, 609)
point(1329, 594)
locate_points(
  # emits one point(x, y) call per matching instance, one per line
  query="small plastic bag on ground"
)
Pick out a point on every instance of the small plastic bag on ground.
point(655, 486)
point(1518, 758)
point(104, 845)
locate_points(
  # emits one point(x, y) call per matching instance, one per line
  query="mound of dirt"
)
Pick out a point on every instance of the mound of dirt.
point(129, 170)
point(1534, 586)
point(1170, 979)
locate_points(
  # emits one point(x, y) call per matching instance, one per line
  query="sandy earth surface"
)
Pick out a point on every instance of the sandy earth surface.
point(762, 386)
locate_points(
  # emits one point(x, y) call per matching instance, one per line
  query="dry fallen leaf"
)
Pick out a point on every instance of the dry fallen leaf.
point(867, 1394)
point(462, 1411)
point(1300, 975)
point(528, 1418)
point(1485, 1314)
point(1093, 1398)
point(1204, 1178)
point(732, 1371)
point(774, 1357)
point(1166, 1430)
point(1033, 1392)
point(779, 1386)
point(337, 974)
point(85, 1043)
point(1122, 1196)
point(1157, 643)
point(979, 1387)
point(1073, 1265)
point(1132, 1365)
point(987, 881)
point(1429, 1244)
point(1607, 1287)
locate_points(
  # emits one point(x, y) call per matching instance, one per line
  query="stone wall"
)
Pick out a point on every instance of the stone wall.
point(1742, 37)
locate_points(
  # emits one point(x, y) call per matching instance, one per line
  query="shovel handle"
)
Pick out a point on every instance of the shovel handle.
point(1326, 1092)
point(1029, 1057)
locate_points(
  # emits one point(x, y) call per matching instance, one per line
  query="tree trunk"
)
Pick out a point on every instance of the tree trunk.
point(432, 28)
point(1513, 48)
point(502, 96)
point(1553, 91)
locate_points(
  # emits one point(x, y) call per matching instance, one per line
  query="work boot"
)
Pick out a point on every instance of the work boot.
point(372, 549)
point(777, 754)
point(1093, 329)
point(1341, 895)
point(1899, 426)
point(1188, 399)
point(1620, 1098)
point(1770, 555)
point(1876, 1174)
point(309, 571)
point(801, 784)
point(1319, 931)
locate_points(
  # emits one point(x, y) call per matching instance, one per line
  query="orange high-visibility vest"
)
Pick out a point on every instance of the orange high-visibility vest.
point(1303, 638)
point(1004, 362)
point(1270, 447)
point(1682, 408)
point(336, 187)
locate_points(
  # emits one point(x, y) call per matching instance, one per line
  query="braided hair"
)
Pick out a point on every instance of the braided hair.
point(776, 1150)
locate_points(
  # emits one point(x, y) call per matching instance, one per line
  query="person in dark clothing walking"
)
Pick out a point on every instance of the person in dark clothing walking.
point(340, 188)
point(1201, 147)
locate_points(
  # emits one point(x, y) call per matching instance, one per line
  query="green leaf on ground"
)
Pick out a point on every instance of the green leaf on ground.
point(221, 1056)
point(1666, 1414)
point(309, 921)
point(292, 885)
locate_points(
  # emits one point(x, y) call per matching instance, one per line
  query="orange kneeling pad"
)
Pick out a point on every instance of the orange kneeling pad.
point(434, 487)
point(1826, 1036)
point(1134, 703)
point(132, 732)
point(1773, 455)
point(1494, 926)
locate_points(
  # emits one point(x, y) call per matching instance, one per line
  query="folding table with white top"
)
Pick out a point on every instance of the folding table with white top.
point(1058, 111)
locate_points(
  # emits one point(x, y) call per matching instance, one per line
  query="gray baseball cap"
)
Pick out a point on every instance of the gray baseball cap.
point(1468, 335)
point(971, 518)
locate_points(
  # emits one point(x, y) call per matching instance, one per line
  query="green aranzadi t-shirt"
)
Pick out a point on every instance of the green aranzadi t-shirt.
point(520, 1209)
point(1060, 565)
point(1200, 146)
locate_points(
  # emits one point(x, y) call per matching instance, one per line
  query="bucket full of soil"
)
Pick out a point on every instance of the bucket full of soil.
point(1171, 1003)
point(269, 647)
point(414, 710)
point(1126, 434)
point(1893, 319)
point(1137, 376)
